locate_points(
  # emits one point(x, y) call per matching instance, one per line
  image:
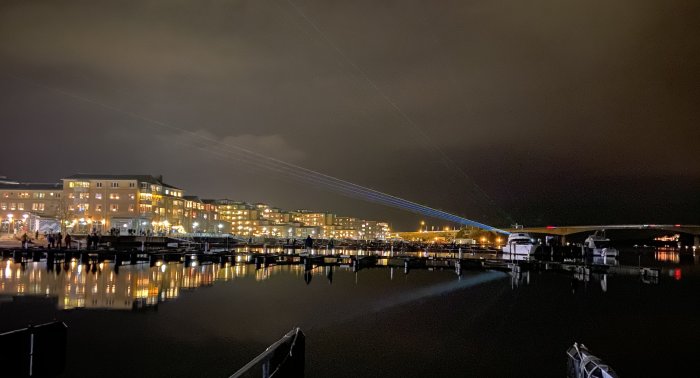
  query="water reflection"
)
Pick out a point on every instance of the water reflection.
point(129, 287)
point(667, 255)
point(132, 287)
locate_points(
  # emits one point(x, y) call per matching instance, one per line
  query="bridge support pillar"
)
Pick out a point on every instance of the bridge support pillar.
point(563, 240)
point(696, 242)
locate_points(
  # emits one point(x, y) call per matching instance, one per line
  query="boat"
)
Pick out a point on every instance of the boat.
point(583, 364)
point(599, 245)
point(520, 243)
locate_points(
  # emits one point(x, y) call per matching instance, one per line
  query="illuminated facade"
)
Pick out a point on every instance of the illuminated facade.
point(242, 216)
point(140, 203)
point(310, 218)
point(27, 207)
point(144, 205)
point(203, 216)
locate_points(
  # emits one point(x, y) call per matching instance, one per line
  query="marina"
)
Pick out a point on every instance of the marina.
point(327, 294)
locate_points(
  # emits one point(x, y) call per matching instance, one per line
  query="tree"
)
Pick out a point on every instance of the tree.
point(64, 213)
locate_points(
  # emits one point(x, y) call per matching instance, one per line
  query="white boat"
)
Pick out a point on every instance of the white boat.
point(520, 243)
point(599, 245)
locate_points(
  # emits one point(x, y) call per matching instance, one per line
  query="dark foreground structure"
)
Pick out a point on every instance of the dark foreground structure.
point(35, 351)
point(583, 364)
point(284, 358)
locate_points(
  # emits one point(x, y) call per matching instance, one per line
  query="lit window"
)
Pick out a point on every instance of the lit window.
point(98, 208)
point(132, 196)
point(114, 207)
point(131, 208)
point(98, 195)
point(114, 196)
point(20, 206)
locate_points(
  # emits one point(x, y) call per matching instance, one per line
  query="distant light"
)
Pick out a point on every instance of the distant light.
point(550, 227)
point(677, 225)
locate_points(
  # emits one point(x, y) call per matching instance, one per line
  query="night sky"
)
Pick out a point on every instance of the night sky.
point(538, 112)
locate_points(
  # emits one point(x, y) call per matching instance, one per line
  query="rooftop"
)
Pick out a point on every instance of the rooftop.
point(141, 178)
point(31, 186)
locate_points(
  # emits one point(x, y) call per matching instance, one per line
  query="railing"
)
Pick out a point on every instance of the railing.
point(34, 351)
point(284, 358)
point(582, 364)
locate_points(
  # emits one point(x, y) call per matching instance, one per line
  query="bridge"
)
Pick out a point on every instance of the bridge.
point(562, 231)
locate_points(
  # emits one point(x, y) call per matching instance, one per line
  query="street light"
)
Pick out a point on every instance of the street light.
point(220, 227)
point(194, 227)
point(9, 222)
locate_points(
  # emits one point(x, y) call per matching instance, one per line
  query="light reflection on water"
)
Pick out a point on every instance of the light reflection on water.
point(433, 322)
point(101, 286)
point(128, 287)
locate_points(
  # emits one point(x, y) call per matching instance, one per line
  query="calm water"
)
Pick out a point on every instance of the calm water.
point(208, 320)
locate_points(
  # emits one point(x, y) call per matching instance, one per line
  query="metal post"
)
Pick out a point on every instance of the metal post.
point(31, 350)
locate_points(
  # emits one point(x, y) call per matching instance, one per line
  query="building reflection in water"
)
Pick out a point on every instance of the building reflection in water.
point(101, 286)
point(667, 255)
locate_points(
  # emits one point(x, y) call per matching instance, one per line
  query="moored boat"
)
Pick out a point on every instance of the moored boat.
point(599, 245)
point(520, 243)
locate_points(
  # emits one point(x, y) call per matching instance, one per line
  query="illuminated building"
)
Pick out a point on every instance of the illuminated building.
point(27, 207)
point(203, 216)
point(127, 202)
point(310, 218)
point(144, 204)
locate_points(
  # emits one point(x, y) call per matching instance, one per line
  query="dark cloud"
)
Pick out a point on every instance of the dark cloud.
point(563, 112)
